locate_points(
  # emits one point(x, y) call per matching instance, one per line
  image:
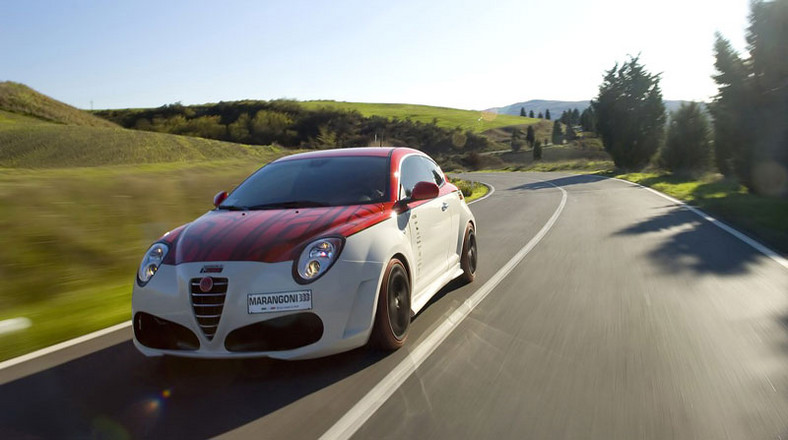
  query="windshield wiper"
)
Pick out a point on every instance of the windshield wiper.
point(290, 204)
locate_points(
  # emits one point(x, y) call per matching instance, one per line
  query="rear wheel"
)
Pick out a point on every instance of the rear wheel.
point(469, 256)
point(392, 317)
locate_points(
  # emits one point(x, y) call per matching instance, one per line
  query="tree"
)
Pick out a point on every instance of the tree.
point(750, 136)
point(547, 114)
point(530, 136)
point(238, 131)
point(522, 111)
point(687, 146)
point(515, 142)
point(570, 134)
point(558, 134)
point(565, 118)
point(268, 126)
point(575, 119)
point(531, 114)
point(537, 151)
point(541, 116)
point(730, 133)
point(630, 114)
point(326, 137)
point(588, 119)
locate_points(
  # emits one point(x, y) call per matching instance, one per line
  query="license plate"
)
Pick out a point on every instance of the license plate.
point(279, 301)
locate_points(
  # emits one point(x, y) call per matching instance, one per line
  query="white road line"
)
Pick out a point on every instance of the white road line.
point(346, 426)
point(741, 236)
point(489, 193)
point(63, 345)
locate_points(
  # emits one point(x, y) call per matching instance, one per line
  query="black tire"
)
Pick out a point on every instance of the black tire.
point(392, 317)
point(469, 257)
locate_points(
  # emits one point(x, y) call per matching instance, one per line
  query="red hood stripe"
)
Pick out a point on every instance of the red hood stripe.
point(268, 236)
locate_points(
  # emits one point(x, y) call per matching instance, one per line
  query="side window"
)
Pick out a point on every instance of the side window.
point(417, 169)
point(435, 171)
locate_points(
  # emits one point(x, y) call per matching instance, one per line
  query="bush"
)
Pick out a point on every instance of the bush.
point(465, 186)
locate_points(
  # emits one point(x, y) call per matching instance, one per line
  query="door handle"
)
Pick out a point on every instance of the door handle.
point(445, 206)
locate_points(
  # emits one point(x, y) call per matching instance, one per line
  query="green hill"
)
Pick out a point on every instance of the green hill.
point(21, 99)
point(32, 143)
point(475, 121)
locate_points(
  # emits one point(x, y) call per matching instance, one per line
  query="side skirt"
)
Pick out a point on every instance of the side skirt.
point(423, 297)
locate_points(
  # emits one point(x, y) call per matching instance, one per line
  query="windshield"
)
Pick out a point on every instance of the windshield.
point(303, 183)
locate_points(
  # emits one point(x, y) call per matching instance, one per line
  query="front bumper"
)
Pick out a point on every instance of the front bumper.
point(343, 308)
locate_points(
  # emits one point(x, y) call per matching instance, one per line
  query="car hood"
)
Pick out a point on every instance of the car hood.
point(268, 236)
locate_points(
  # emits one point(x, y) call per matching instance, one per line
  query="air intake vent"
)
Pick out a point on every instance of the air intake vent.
point(208, 302)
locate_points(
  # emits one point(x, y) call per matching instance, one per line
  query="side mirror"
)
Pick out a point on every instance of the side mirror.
point(219, 198)
point(424, 191)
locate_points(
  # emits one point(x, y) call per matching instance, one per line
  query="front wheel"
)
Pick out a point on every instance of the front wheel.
point(469, 256)
point(392, 317)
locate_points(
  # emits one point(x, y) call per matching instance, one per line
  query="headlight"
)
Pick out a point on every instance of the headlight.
point(151, 262)
point(316, 258)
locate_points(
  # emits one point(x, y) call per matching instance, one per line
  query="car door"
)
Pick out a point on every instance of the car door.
point(450, 205)
point(428, 225)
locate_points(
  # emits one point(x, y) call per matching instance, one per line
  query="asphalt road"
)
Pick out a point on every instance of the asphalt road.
point(633, 318)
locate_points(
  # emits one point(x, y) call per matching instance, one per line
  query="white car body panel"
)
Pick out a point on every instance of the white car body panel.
point(428, 238)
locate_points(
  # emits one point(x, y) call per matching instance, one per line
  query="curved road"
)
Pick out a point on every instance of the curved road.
point(631, 318)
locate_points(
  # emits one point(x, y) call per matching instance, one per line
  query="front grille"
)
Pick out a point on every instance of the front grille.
point(208, 305)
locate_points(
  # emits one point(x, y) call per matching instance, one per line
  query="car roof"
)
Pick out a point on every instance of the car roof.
point(349, 152)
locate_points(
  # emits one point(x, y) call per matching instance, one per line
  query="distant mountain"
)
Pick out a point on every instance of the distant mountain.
point(540, 106)
point(558, 107)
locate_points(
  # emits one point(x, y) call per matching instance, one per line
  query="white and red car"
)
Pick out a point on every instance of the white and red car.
point(313, 254)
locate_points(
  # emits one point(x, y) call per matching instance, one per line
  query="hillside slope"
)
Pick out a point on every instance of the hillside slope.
point(475, 121)
point(21, 99)
point(31, 143)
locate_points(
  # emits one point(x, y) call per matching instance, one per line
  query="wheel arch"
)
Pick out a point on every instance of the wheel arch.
point(401, 257)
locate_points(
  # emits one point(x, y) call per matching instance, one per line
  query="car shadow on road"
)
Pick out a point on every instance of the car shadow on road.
point(118, 393)
point(693, 244)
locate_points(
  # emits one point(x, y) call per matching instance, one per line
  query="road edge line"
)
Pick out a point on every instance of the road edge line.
point(349, 423)
point(489, 193)
point(760, 247)
point(63, 345)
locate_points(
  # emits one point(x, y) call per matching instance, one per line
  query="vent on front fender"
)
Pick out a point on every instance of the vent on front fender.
point(208, 303)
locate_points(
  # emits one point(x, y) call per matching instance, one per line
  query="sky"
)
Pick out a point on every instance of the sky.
point(461, 54)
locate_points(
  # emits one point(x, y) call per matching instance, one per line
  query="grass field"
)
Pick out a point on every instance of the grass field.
point(475, 121)
point(73, 238)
